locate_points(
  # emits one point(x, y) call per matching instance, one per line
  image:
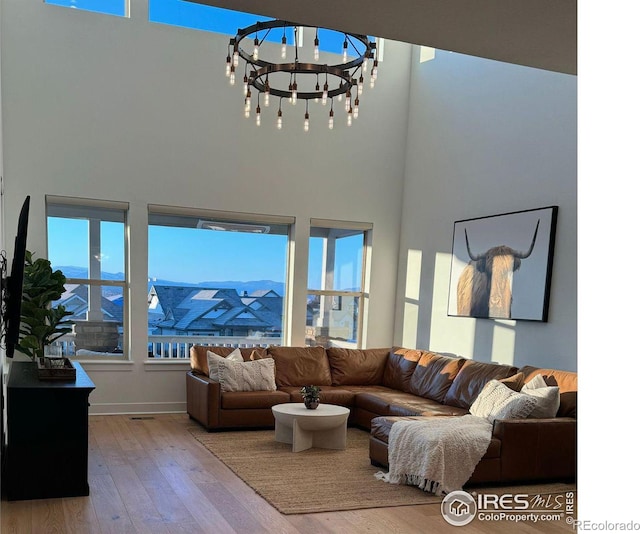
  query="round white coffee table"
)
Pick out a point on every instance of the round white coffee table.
point(324, 427)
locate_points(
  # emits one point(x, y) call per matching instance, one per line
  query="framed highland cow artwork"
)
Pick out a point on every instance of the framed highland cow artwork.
point(501, 265)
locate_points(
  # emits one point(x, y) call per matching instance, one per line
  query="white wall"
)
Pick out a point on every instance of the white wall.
point(101, 107)
point(486, 138)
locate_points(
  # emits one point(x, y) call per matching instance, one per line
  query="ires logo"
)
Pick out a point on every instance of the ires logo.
point(519, 501)
point(508, 501)
point(459, 508)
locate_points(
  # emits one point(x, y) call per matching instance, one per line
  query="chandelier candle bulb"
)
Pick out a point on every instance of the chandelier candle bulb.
point(331, 119)
point(235, 58)
point(256, 46)
point(283, 50)
point(279, 120)
point(258, 116)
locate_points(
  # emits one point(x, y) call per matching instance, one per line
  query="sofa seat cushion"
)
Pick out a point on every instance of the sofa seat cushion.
point(566, 381)
point(328, 395)
point(392, 402)
point(470, 380)
point(357, 366)
point(434, 375)
point(251, 400)
point(381, 427)
point(301, 366)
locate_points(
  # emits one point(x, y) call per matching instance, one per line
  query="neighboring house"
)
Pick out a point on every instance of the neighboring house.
point(76, 300)
point(209, 311)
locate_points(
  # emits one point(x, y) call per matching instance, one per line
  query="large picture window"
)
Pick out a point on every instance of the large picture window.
point(87, 242)
point(336, 283)
point(215, 279)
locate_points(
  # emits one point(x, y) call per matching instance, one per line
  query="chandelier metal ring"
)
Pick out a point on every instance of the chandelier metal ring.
point(266, 76)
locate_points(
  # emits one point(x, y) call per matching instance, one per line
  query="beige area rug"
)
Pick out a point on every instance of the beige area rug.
point(322, 480)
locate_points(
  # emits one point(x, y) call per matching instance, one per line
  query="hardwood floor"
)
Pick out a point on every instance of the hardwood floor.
point(149, 475)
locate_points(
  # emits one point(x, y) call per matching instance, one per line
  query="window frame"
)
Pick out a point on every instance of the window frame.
point(76, 206)
point(367, 230)
point(205, 215)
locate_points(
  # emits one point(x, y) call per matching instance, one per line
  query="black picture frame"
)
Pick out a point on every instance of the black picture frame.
point(501, 265)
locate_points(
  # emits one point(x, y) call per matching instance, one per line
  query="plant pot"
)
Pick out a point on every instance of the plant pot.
point(311, 404)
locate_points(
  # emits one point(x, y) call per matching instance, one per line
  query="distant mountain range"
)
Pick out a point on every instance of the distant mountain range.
point(240, 287)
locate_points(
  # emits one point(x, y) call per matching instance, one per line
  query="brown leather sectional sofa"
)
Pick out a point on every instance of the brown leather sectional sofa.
point(382, 385)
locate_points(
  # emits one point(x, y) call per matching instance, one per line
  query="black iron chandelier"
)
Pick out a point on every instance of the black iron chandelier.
point(292, 79)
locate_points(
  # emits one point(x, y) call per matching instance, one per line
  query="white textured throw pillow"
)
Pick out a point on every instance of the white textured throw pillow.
point(214, 359)
point(548, 397)
point(497, 401)
point(258, 375)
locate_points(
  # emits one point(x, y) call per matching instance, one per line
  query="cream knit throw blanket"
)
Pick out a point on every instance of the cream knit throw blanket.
point(438, 454)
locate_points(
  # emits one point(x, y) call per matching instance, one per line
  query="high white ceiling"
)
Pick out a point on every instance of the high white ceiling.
point(535, 33)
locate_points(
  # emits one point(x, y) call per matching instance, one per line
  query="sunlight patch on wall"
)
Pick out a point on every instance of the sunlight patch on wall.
point(504, 341)
point(427, 53)
point(410, 325)
point(412, 298)
point(448, 334)
point(414, 270)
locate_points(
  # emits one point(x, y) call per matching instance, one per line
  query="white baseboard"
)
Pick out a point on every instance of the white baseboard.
point(117, 408)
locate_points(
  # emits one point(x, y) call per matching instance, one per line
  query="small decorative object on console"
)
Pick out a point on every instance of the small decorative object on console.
point(55, 369)
point(311, 396)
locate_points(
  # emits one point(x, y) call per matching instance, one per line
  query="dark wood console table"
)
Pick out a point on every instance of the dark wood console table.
point(47, 434)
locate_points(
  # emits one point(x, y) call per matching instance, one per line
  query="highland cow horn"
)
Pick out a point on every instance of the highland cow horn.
point(474, 257)
point(523, 255)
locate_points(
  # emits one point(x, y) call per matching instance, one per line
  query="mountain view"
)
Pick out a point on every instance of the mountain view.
point(240, 287)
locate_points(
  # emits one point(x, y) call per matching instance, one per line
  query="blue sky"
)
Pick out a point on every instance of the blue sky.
point(178, 254)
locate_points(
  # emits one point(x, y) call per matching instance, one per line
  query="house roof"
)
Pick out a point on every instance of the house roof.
point(76, 299)
point(209, 308)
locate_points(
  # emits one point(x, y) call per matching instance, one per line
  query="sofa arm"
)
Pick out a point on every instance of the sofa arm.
point(537, 449)
point(203, 400)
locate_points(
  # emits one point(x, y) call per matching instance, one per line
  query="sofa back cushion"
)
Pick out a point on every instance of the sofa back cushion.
point(566, 381)
point(200, 364)
point(470, 380)
point(434, 375)
point(301, 366)
point(357, 367)
point(399, 368)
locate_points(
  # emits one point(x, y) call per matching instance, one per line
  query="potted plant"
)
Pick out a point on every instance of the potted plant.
point(311, 396)
point(41, 324)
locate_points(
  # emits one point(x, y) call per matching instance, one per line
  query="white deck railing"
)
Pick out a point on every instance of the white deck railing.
point(179, 346)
